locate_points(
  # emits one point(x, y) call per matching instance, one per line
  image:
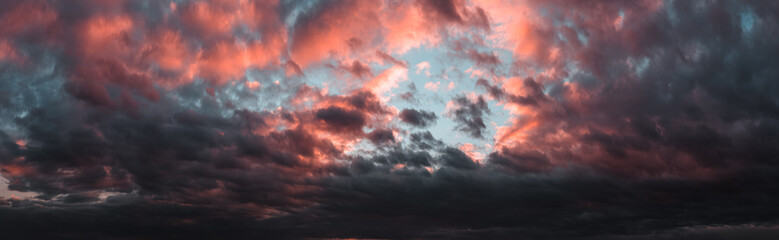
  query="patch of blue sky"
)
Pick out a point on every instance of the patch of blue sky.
point(641, 66)
point(299, 7)
point(322, 77)
point(444, 69)
point(583, 38)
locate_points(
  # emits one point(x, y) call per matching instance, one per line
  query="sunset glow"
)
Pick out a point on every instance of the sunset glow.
point(363, 119)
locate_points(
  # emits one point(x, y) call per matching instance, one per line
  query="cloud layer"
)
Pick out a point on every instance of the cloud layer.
point(280, 119)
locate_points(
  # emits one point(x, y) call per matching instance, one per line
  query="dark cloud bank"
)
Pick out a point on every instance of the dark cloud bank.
point(685, 149)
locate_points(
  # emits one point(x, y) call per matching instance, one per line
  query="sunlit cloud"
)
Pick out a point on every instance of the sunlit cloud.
point(421, 119)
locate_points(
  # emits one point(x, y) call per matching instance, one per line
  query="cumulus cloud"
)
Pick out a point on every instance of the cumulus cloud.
point(418, 118)
point(424, 66)
point(469, 115)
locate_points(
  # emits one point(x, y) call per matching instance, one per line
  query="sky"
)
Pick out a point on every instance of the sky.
point(426, 119)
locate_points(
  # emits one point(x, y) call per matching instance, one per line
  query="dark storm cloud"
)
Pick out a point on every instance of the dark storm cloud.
point(400, 155)
point(176, 162)
point(444, 205)
point(447, 205)
point(418, 118)
point(469, 115)
point(453, 157)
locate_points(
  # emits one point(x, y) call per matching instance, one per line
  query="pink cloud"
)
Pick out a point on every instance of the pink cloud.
point(432, 86)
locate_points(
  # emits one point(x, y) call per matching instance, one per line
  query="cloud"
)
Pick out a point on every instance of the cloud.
point(221, 119)
point(340, 119)
point(386, 57)
point(425, 140)
point(424, 66)
point(483, 59)
point(391, 27)
point(432, 86)
point(469, 115)
point(418, 118)
point(358, 69)
point(381, 136)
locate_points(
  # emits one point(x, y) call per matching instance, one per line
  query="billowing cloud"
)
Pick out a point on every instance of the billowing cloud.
point(274, 119)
